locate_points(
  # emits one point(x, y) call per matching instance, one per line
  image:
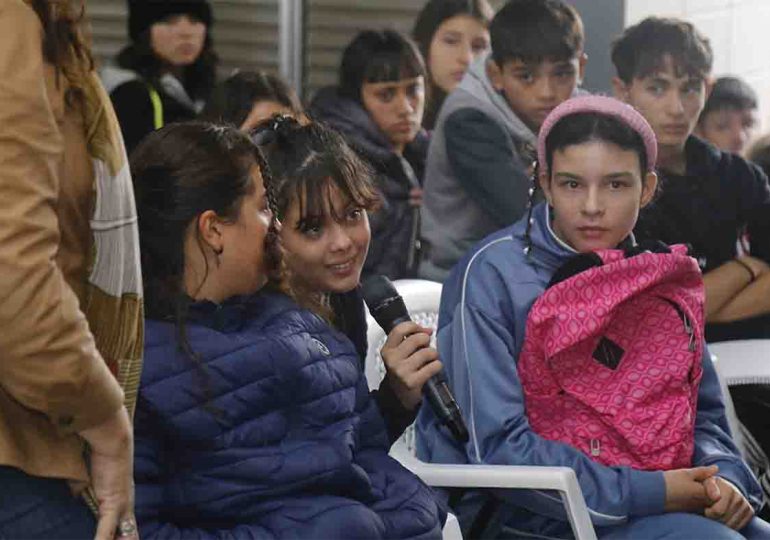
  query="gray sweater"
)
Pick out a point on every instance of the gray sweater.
point(476, 180)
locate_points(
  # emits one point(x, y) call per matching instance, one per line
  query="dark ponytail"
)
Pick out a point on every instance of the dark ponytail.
point(180, 172)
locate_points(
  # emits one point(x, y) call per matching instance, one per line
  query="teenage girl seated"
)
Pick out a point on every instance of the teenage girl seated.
point(253, 418)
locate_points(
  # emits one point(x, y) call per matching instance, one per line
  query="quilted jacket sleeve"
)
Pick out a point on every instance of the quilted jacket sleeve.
point(152, 465)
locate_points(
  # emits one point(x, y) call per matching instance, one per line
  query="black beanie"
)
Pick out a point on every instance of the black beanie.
point(144, 13)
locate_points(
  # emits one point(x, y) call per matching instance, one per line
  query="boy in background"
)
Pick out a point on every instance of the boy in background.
point(708, 198)
point(479, 161)
point(730, 116)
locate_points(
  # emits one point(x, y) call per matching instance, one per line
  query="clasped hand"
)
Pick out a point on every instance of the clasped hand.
point(700, 490)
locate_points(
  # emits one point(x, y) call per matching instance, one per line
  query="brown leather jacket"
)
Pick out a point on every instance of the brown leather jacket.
point(53, 380)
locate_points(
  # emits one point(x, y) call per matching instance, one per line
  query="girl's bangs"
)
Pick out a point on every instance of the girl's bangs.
point(313, 188)
point(391, 66)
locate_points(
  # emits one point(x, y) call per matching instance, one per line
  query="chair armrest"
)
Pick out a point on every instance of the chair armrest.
point(560, 479)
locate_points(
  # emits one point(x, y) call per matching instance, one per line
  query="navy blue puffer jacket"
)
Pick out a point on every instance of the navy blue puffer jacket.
point(272, 433)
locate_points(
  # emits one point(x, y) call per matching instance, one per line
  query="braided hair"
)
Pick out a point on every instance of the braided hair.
point(305, 160)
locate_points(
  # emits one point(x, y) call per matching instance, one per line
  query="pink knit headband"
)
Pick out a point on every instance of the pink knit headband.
point(601, 105)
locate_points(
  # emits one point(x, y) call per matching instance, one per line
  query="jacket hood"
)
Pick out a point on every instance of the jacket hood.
point(546, 249)
point(476, 82)
point(351, 119)
point(113, 76)
point(233, 314)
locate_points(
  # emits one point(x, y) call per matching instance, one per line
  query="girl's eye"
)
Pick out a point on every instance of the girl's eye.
point(386, 95)
point(526, 77)
point(565, 74)
point(479, 46)
point(414, 90)
point(693, 88)
point(656, 89)
point(615, 184)
point(311, 230)
point(451, 40)
point(355, 214)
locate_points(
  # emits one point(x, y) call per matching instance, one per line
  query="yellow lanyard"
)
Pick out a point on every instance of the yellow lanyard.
point(157, 107)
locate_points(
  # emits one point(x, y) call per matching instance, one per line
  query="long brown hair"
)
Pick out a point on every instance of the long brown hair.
point(64, 43)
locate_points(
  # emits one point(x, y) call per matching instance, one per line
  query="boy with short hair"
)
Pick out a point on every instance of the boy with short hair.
point(730, 116)
point(479, 161)
point(708, 198)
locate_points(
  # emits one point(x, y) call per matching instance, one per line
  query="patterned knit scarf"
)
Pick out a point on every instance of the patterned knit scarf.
point(112, 302)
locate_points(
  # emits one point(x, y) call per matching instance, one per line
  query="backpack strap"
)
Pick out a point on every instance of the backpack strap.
point(157, 107)
point(575, 265)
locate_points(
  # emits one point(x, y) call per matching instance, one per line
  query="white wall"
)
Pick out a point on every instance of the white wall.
point(739, 31)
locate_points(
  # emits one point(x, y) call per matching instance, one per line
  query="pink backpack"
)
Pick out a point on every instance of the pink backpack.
point(611, 361)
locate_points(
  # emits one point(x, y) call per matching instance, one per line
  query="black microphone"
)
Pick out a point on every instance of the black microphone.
point(388, 309)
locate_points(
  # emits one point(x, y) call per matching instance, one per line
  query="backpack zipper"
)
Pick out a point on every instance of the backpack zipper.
point(596, 447)
point(690, 332)
point(688, 327)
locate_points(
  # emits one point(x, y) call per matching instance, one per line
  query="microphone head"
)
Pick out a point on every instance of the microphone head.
point(384, 303)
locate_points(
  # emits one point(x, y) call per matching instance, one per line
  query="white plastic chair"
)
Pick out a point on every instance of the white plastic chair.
point(422, 299)
point(743, 361)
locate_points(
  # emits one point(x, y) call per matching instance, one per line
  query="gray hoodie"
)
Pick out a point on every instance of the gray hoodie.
point(492, 141)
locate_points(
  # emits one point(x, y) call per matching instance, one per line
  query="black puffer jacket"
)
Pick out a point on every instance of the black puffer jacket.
point(721, 196)
point(395, 227)
point(131, 98)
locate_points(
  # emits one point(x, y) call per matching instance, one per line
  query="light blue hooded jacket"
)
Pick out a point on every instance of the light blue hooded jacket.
point(484, 307)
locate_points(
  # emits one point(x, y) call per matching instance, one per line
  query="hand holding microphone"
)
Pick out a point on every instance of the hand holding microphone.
point(410, 361)
point(388, 309)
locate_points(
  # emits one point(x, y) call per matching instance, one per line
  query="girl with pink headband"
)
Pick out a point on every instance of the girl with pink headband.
point(596, 161)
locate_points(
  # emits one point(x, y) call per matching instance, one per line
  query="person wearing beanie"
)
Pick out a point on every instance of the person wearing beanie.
point(167, 71)
point(596, 163)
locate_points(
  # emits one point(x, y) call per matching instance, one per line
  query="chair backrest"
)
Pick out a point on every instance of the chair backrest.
point(422, 299)
point(742, 362)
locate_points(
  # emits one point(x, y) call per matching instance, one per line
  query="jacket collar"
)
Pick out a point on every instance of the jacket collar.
point(548, 250)
point(235, 312)
point(476, 82)
point(704, 164)
point(701, 157)
point(350, 118)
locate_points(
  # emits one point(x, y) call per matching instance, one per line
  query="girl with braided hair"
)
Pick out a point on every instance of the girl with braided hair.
point(253, 419)
point(596, 160)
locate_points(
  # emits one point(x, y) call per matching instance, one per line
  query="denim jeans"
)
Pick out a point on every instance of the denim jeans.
point(41, 508)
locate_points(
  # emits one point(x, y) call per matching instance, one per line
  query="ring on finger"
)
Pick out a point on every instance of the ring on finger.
point(126, 527)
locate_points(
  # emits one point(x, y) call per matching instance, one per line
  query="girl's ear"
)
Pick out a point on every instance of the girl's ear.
point(620, 89)
point(582, 61)
point(544, 180)
point(495, 74)
point(210, 230)
point(649, 187)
